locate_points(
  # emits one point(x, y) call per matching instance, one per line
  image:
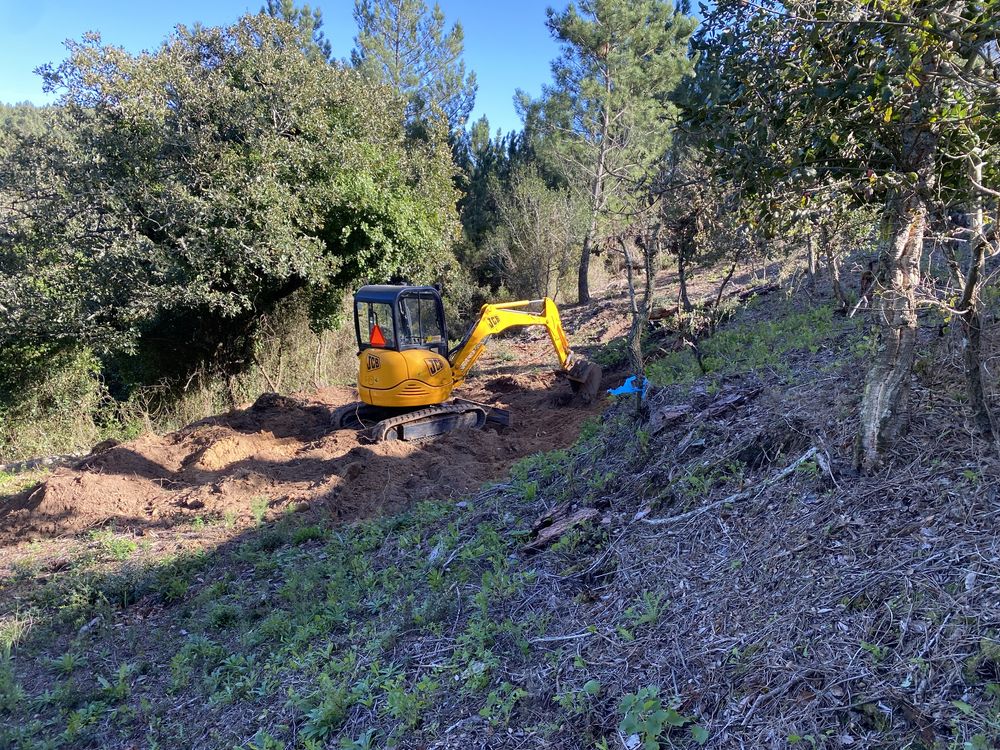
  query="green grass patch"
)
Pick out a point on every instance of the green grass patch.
point(755, 345)
point(11, 484)
point(303, 621)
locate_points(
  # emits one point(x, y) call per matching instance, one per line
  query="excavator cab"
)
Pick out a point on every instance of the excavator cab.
point(402, 346)
point(400, 318)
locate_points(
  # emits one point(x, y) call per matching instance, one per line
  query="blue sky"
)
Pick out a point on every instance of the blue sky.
point(506, 44)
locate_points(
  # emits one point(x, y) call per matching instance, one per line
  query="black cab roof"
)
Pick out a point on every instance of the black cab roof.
point(389, 293)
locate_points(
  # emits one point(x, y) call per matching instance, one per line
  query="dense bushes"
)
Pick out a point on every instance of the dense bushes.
point(177, 199)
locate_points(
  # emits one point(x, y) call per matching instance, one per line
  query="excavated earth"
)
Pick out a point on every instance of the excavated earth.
point(280, 454)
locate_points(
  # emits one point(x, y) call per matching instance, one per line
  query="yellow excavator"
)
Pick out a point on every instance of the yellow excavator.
point(407, 373)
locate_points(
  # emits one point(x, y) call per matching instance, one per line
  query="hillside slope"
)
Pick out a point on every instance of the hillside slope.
point(712, 574)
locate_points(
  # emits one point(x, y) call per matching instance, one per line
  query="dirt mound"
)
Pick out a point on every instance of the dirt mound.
point(280, 453)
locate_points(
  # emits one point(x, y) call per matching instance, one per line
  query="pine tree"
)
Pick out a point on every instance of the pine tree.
point(405, 44)
point(304, 18)
point(609, 106)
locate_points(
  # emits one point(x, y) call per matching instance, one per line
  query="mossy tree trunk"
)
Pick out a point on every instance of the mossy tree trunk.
point(885, 404)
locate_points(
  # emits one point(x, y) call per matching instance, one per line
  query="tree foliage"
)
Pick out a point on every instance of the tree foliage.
point(536, 244)
point(608, 109)
point(893, 102)
point(309, 22)
point(194, 186)
point(406, 44)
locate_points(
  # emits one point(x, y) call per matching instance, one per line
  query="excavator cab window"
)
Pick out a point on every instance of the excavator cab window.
point(375, 327)
point(421, 322)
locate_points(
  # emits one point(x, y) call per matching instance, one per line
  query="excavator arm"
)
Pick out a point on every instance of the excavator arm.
point(494, 318)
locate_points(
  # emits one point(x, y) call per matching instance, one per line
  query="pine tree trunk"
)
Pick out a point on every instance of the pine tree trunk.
point(885, 404)
point(596, 197)
point(596, 201)
point(583, 279)
point(682, 280)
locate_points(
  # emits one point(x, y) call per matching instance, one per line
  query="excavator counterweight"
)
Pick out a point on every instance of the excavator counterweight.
point(407, 373)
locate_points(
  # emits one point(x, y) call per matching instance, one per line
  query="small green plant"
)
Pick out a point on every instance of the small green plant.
point(222, 616)
point(117, 547)
point(120, 689)
point(808, 469)
point(68, 663)
point(643, 436)
point(878, 652)
point(589, 429)
point(648, 609)
point(971, 476)
point(264, 741)
point(173, 588)
point(328, 712)
point(82, 718)
point(530, 491)
point(500, 704)
point(366, 741)
point(577, 702)
point(13, 629)
point(645, 716)
point(198, 524)
point(795, 739)
point(408, 707)
point(258, 509)
point(198, 651)
point(11, 692)
point(305, 534)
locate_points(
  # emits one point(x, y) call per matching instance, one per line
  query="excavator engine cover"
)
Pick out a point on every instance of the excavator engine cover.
point(410, 378)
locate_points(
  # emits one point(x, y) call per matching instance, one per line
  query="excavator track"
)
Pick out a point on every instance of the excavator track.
point(431, 421)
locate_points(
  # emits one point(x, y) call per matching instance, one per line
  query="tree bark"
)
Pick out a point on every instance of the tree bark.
point(885, 404)
point(833, 267)
point(682, 279)
point(811, 260)
point(640, 310)
point(596, 197)
point(583, 278)
point(970, 305)
point(972, 333)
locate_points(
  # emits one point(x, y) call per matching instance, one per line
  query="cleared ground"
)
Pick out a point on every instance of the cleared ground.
point(280, 454)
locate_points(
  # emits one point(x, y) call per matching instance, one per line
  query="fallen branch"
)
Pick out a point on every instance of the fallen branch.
point(755, 491)
point(555, 523)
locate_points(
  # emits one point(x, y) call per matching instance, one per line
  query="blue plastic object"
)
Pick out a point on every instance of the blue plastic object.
point(629, 387)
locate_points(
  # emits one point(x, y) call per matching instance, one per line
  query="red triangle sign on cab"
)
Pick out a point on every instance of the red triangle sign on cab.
point(377, 339)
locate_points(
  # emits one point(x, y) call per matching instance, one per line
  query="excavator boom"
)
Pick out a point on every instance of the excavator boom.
point(497, 317)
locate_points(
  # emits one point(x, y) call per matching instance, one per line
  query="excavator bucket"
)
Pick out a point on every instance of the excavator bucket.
point(585, 377)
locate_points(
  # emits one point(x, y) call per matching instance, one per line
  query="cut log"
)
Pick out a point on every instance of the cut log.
point(555, 523)
point(662, 313)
